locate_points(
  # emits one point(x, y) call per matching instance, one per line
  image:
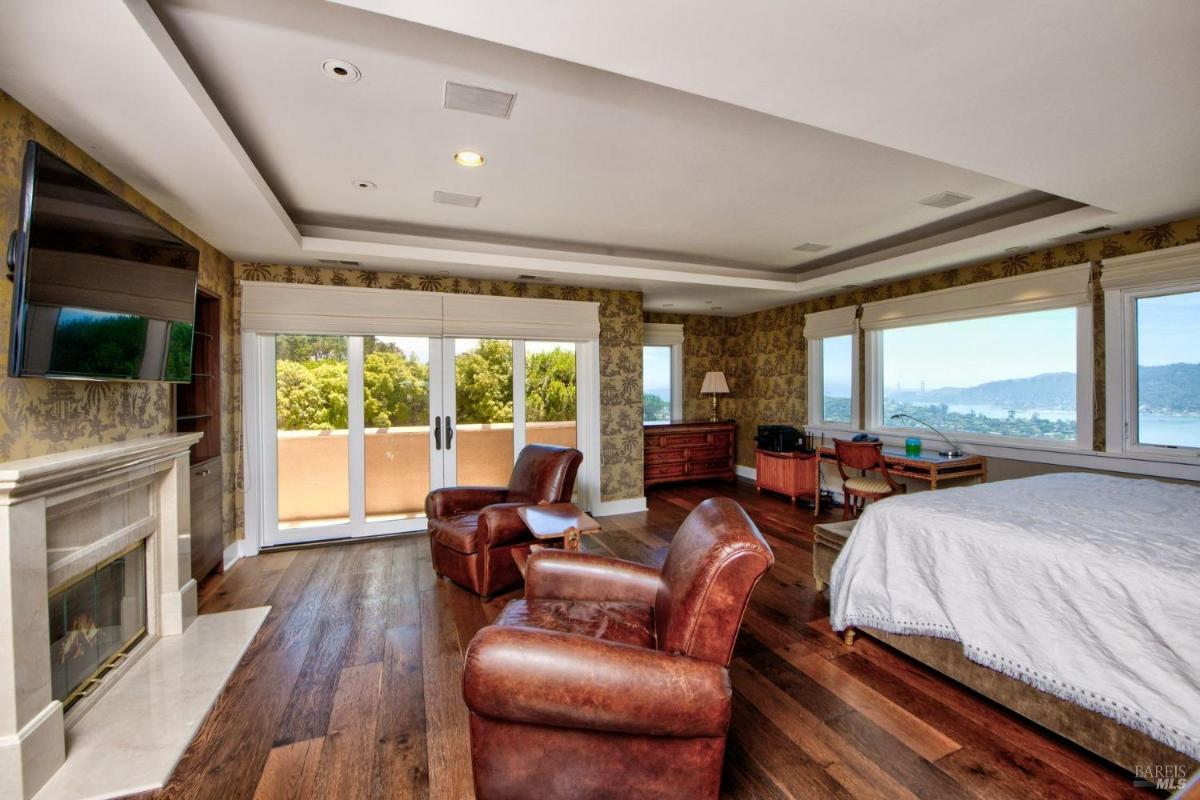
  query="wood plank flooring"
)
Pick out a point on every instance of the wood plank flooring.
point(352, 687)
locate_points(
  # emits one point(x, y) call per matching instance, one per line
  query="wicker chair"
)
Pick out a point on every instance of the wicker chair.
point(857, 490)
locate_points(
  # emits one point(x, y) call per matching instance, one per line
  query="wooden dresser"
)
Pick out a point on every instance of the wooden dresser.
point(685, 451)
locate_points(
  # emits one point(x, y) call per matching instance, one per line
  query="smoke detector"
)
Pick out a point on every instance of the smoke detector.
point(478, 100)
point(945, 199)
point(366, 186)
point(810, 247)
point(342, 71)
point(457, 199)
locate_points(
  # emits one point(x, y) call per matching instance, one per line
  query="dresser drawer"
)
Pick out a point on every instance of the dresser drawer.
point(677, 470)
point(682, 440)
point(720, 438)
point(665, 456)
point(709, 467)
point(709, 454)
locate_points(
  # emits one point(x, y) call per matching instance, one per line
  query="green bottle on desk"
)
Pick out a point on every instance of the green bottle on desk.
point(912, 448)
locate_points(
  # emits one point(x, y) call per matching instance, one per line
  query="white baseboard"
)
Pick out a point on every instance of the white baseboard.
point(629, 505)
point(233, 553)
point(746, 472)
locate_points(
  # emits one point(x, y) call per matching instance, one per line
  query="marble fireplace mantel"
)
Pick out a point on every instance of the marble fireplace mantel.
point(95, 500)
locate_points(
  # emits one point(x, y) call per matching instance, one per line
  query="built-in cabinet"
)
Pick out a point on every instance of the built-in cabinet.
point(198, 409)
point(682, 451)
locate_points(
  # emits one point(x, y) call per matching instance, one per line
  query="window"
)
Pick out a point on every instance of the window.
point(1005, 361)
point(662, 372)
point(1011, 375)
point(1168, 370)
point(1152, 336)
point(832, 367)
point(836, 382)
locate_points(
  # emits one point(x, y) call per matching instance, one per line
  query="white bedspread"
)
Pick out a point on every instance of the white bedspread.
point(1084, 586)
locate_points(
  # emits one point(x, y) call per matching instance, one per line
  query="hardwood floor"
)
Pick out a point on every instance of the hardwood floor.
point(352, 687)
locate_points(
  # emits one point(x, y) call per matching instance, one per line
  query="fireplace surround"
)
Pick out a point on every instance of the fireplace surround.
point(101, 536)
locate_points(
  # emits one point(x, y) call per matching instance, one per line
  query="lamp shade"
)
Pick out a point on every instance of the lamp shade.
point(714, 383)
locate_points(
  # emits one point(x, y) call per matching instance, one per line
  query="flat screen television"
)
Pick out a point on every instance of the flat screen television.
point(100, 292)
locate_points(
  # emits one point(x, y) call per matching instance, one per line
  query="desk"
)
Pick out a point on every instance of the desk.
point(929, 468)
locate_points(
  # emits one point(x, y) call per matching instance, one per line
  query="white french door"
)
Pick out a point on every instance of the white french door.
point(354, 431)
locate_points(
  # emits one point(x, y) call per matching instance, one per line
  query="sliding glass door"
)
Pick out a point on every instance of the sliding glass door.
point(358, 429)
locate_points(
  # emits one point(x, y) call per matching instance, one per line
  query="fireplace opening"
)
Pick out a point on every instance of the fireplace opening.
point(94, 621)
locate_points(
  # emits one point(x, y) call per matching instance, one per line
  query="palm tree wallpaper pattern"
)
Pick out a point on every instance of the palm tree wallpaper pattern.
point(40, 416)
point(620, 349)
point(764, 354)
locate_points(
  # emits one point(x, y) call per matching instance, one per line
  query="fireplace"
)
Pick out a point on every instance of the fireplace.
point(94, 620)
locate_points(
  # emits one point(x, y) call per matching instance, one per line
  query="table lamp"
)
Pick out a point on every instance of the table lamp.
point(714, 384)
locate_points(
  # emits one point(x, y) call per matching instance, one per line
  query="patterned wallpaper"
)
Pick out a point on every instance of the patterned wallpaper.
point(764, 354)
point(620, 350)
point(40, 416)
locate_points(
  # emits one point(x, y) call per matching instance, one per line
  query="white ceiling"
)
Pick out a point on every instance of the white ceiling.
point(680, 150)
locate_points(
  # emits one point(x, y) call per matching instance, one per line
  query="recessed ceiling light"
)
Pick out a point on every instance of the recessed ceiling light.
point(945, 199)
point(340, 70)
point(364, 185)
point(470, 158)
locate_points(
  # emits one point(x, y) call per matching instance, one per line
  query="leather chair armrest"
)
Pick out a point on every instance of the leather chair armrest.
point(541, 677)
point(442, 503)
point(500, 524)
point(559, 575)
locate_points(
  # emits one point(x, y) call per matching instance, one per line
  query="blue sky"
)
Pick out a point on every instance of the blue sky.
point(656, 371)
point(1169, 329)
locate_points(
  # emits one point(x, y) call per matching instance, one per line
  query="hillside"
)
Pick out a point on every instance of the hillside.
point(1169, 388)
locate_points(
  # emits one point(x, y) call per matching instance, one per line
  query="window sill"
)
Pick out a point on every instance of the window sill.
point(1060, 454)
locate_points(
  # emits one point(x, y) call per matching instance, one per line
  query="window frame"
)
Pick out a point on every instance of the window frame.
point(1125, 281)
point(816, 383)
point(667, 334)
point(1084, 391)
point(1059, 288)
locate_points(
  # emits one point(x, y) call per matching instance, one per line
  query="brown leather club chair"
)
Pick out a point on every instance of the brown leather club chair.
point(610, 679)
point(473, 530)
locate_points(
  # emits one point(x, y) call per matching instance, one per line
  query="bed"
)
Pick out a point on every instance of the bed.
point(1072, 598)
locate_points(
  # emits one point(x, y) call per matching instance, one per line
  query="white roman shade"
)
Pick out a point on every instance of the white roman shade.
point(305, 308)
point(838, 322)
point(519, 317)
point(1155, 268)
point(662, 334)
point(1066, 287)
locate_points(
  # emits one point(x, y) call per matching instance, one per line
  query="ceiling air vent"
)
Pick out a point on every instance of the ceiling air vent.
point(343, 262)
point(534, 278)
point(478, 100)
point(1097, 229)
point(457, 199)
point(810, 247)
point(944, 199)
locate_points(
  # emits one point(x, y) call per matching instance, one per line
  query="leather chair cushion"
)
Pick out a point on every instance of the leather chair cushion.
point(867, 485)
point(458, 533)
point(626, 623)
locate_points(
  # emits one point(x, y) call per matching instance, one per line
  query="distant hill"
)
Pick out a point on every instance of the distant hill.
point(1173, 388)
point(1050, 390)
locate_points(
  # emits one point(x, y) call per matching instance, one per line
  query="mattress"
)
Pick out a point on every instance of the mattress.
point(1084, 586)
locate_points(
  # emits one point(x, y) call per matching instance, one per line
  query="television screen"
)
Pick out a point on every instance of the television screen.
point(100, 291)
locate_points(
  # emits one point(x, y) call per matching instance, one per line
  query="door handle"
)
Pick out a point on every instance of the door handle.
point(449, 432)
point(437, 433)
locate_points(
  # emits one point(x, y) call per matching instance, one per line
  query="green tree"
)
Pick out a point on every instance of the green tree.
point(655, 409)
point(396, 390)
point(484, 379)
point(550, 386)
